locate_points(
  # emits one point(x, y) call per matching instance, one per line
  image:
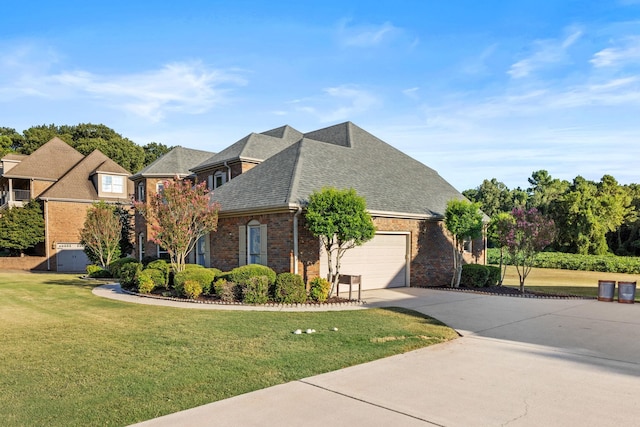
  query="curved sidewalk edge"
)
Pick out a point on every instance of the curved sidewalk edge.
point(115, 292)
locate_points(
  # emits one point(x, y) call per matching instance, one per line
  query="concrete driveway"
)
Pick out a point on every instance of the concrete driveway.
point(519, 362)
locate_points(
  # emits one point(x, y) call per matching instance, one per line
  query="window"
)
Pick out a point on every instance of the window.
point(253, 243)
point(160, 187)
point(219, 178)
point(468, 245)
point(141, 191)
point(112, 184)
point(162, 253)
point(141, 246)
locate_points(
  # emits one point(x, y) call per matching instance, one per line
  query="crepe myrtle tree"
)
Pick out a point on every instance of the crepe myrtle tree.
point(341, 221)
point(463, 219)
point(498, 231)
point(178, 216)
point(527, 235)
point(101, 234)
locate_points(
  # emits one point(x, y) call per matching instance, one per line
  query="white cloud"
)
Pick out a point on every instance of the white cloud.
point(338, 103)
point(367, 35)
point(179, 87)
point(627, 52)
point(546, 52)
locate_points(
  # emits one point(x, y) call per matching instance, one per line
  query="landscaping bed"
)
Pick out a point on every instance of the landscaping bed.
point(510, 291)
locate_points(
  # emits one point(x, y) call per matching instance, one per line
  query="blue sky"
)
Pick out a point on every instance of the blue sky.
point(475, 90)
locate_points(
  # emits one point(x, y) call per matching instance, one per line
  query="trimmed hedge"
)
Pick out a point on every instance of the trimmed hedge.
point(565, 261)
point(97, 272)
point(116, 266)
point(144, 282)
point(241, 274)
point(203, 276)
point(129, 275)
point(319, 289)
point(255, 290)
point(157, 276)
point(479, 276)
point(227, 291)
point(289, 289)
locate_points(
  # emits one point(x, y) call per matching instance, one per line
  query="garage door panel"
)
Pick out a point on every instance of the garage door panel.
point(382, 262)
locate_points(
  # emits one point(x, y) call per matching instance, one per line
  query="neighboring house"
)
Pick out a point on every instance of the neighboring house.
point(66, 183)
point(149, 181)
point(263, 181)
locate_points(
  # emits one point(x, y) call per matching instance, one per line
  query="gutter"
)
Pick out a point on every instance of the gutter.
point(295, 239)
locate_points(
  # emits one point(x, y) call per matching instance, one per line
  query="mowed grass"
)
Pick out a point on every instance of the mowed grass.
point(69, 358)
point(553, 281)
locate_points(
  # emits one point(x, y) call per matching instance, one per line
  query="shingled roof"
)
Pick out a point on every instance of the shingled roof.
point(255, 146)
point(178, 161)
point(341, 156)
point(49, 162)
point(77, 183)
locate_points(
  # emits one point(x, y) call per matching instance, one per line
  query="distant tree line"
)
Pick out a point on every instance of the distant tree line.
point(591, 217)
point(84, 137)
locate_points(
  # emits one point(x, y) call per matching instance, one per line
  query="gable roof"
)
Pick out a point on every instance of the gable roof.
point(341, 156)
point(255, 146)
point(178, 161)
point(49, 162)
point(77, 183)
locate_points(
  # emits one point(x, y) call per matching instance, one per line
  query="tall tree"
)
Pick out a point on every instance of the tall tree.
point(545, 190)
point(22, 228)
point(153, 151)
point(341, 221)
point(463, 219)
point(101, 234)
point(527, 235)
point(178, 216)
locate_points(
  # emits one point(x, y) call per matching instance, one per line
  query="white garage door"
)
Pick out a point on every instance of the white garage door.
point(71, 258)
point(382, 262)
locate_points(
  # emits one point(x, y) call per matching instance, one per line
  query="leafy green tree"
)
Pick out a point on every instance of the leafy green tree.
point(463, 219)
point(498, 232)
point(153, 151)
point(545, 190)
point(21, 228)
point(178, 216)
point(527, 235)
point(101, 234)
point(339, 218)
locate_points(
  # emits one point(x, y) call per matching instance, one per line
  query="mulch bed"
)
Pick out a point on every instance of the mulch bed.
point(511, 292)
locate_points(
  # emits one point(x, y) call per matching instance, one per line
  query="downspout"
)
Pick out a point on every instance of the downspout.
point(295, 240)
point(228, 171)
point(46, 234)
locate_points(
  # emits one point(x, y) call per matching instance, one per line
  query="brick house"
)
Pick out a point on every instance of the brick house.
point(66, 183)
point(262, 183)
point(149, 181)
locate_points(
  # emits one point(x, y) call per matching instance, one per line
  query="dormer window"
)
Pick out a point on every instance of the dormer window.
point(112, 184)
point(219, 178)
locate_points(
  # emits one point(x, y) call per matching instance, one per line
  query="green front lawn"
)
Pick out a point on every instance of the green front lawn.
point(69, 358)
point(567, 282)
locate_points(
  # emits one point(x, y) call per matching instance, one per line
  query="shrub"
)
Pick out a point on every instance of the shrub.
point(241, 274)
point(192, 289)
point(145, 282)
point(128, 275)
point(319, 289)
point(494, 275)
point(163, 267)
point(255, 290)
point(201, 275)
point(97, 272)
point(474, 275)
point(157, 276)
point(289, 288)
point(193, 267)
point(216, 271)
point(146, 260)
point(226, 290)
point(116, 266)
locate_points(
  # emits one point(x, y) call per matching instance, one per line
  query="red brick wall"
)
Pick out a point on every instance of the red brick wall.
point(431, 246)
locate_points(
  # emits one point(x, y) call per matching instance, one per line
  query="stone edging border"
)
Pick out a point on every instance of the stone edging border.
point(512, 295)
point(279, 305)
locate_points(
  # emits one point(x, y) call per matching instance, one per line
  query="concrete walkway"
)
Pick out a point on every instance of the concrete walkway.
point(520, 362)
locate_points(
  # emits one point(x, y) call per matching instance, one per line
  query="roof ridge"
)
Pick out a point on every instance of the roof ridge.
point(295, 176)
